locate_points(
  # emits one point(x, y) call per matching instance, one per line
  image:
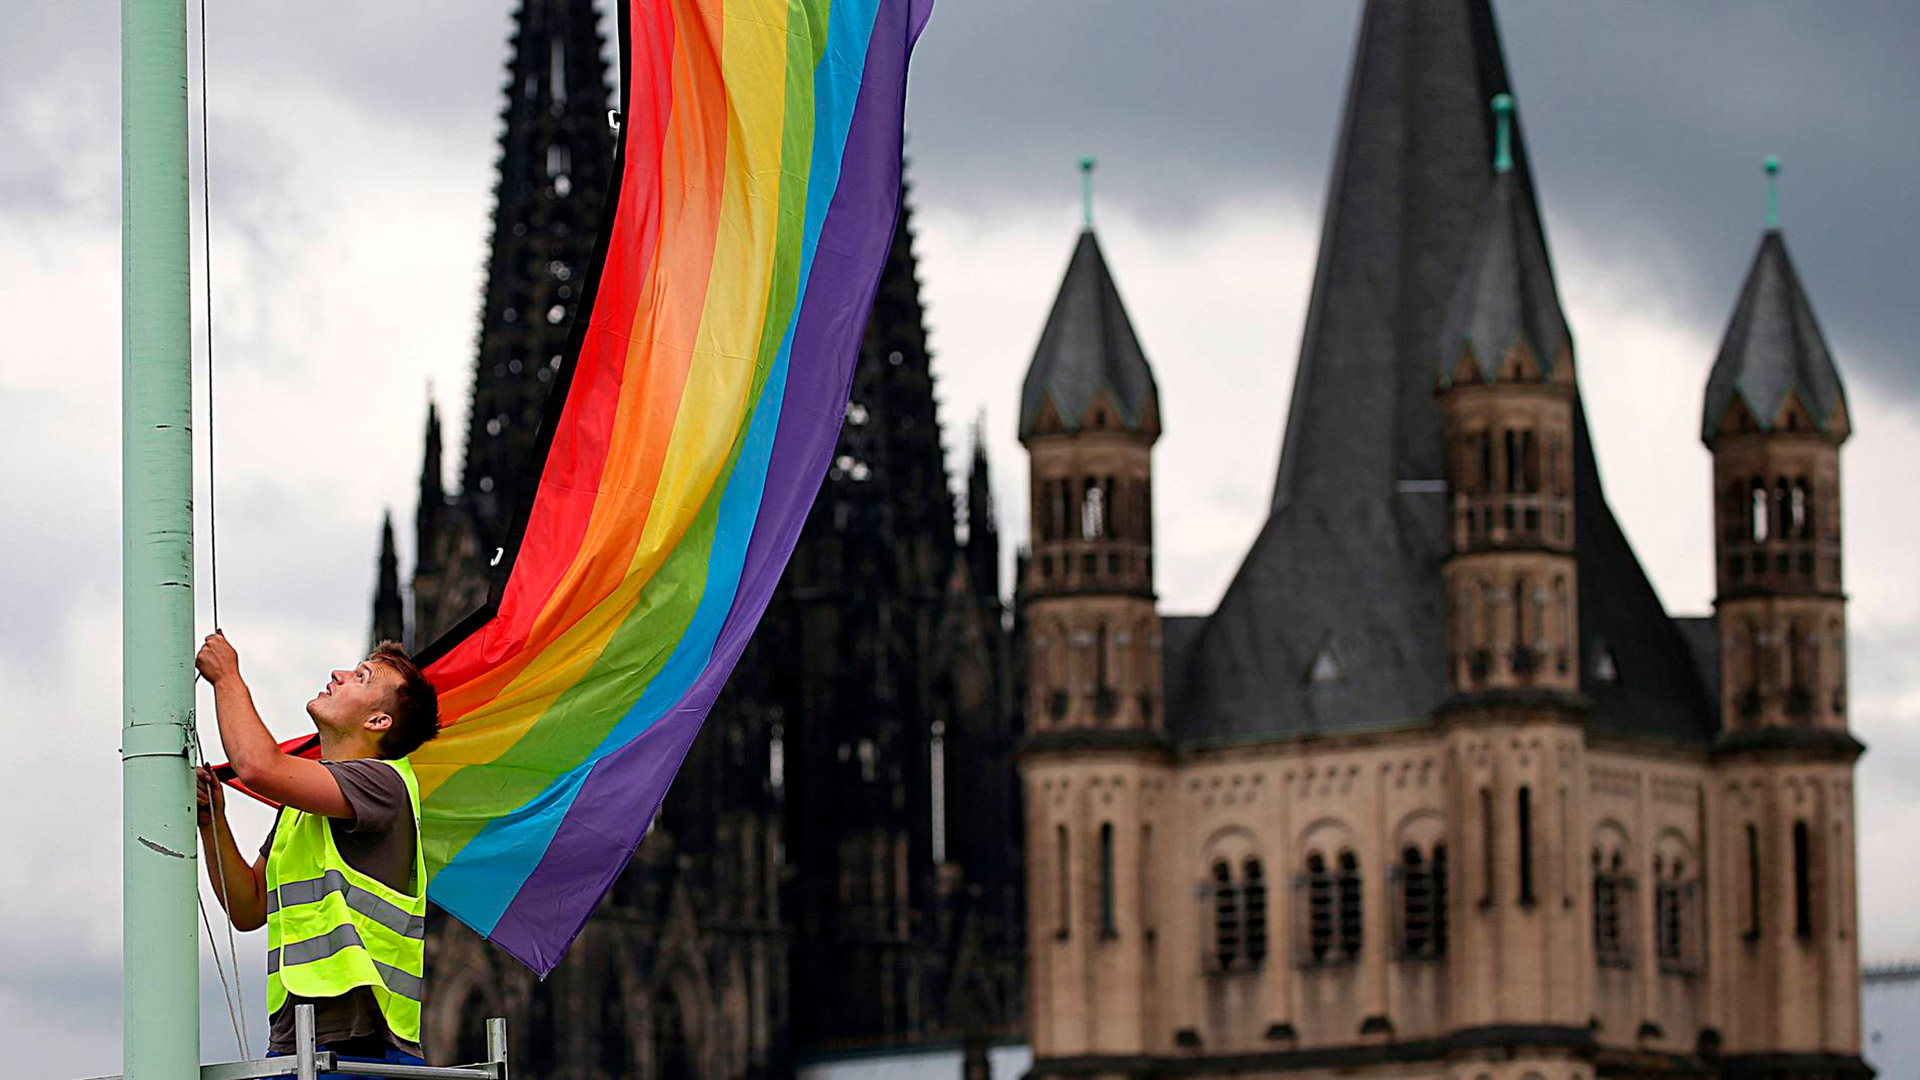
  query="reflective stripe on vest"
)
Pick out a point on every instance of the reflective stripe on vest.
point(332, 929)
point(313, 890)
point(319, 948)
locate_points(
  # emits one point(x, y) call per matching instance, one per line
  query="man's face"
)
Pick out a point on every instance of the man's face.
point(353, 696)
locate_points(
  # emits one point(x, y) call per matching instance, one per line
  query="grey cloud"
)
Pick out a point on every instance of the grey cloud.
point(1646, 122)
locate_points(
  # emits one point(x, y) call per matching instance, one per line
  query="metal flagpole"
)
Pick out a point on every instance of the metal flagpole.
point(159, 861)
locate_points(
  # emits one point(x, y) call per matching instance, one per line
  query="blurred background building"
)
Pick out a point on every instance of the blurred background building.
point(1440, 789)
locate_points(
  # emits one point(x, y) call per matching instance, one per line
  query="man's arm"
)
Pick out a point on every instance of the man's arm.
point(256, 758)
point(245, 892)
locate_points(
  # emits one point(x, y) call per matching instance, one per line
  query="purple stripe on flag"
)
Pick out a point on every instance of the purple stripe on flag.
point(591, 846)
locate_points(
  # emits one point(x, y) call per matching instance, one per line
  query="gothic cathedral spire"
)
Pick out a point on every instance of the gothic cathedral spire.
point(556, 154)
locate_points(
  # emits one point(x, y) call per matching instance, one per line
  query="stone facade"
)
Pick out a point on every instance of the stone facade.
point(1585, 838)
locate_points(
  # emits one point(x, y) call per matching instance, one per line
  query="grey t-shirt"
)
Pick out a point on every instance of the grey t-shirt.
point(379, 842)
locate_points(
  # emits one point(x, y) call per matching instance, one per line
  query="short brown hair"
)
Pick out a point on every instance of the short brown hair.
point(414, 705)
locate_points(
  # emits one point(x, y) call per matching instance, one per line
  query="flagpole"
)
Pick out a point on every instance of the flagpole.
point(159, 860)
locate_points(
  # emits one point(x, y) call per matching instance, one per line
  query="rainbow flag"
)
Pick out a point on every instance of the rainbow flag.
point(759, 179)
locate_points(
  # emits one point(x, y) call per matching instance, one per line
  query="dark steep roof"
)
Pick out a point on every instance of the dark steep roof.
point(1088, 345)
point(1637, 666)
point(1703, 640)
point(1350, 560)
point(1506, 293)
point(1773, 348)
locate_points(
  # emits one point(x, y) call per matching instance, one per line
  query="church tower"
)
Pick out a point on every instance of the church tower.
point(1506, 389)
point(555, 163)
point(1095, 746)
point(556, 157)
point(1774, 418)
point(1089, 416)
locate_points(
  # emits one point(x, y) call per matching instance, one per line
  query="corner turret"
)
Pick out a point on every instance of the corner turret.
point(1089, 416)
point(1774, 418)
point(1506, 385)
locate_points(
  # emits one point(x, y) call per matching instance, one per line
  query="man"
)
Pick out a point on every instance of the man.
point(340, 881)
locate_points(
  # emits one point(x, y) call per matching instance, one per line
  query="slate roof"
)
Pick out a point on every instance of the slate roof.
point(1088, 345)
point(1505, 294)
point(1350, 559)
point(1773, 347)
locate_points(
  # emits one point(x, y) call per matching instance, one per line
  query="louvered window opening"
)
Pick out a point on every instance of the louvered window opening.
point(1422, 888)
point(1676, 918)
point(1331, 898)
point(1612, 912)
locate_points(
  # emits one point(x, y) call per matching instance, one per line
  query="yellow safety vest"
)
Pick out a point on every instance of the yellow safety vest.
point(331, 928)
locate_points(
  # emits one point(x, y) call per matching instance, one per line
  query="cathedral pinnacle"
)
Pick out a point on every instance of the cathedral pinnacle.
point(1503, 133)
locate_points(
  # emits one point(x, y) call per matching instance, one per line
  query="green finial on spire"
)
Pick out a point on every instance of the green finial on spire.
point(1086, 191)
point(1503, 133)
point(1773, 192)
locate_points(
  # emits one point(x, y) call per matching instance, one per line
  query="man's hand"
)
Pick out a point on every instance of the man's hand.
point(213, 798)
point(217, 661)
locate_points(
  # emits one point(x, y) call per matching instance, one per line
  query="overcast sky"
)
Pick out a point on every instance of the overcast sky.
point(352, 155)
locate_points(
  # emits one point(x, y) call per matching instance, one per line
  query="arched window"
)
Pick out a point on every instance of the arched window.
point(1064, 886)
point(1348, 889)
point(1107, 927)
point(1529, 463)
point(1799, 511)
point(1226, 916)
point(1563, 625)
point(1782, 527)
point(1514, 474)
point(1440, 894)
point(1757, 512)
point(1799, 682)
point(1733, 517)
point(1093, 512)
point(1254, 897)
point(1524, 809)
point(1319, 884)
point(1675, 897)
point(1802, 881)
point(1416, 904)
point(1486, 847)
point(1753, 883)
point(1485, 440)
point(1612, 908)
point(1522, 636)
point(1146, 881)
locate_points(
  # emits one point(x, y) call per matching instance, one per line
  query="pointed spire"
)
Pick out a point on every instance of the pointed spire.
point(1088, 353)
point(983, 530)
point(1505, 299)
point(1411, 166)
point(433, 496)
point(556, 154)
point(1774, 354)
point(389, 618)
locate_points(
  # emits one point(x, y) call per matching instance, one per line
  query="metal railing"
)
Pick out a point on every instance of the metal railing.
point(308, 1062)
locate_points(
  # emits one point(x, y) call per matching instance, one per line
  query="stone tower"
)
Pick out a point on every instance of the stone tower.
point(556, 154)
point(1506, 389)
point(1089, 416)
point(556, 157)
point(1774, 418)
